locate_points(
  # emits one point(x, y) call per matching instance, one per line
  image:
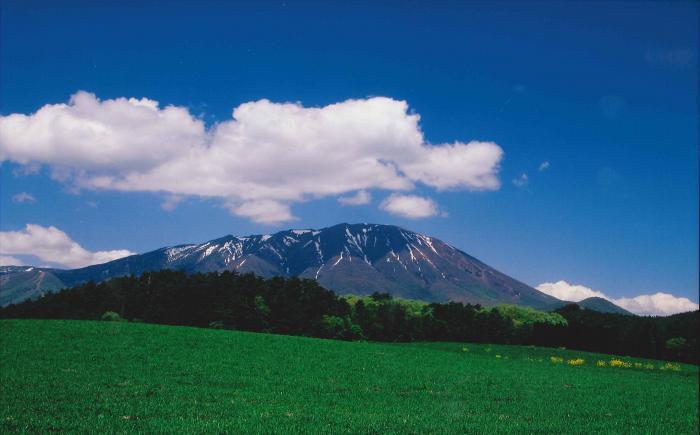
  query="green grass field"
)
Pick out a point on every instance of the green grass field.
point(126, 377)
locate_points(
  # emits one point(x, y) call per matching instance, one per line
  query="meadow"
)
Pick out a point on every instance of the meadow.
point(88, 376)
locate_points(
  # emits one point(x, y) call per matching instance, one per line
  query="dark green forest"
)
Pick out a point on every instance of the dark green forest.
point(295, 306)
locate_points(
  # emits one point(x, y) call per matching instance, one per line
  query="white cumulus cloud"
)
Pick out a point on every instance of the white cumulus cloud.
point(568, 292)
point(52, 245)
point(409, 206)
point(544, 165)
point(659, 304)
point(268, 156)
point(92, 135)
point(362, 197)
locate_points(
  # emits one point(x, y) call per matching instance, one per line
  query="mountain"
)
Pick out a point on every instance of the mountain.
point(18, 283)
point(347, 258)
point(602, 305)
point(593, 303)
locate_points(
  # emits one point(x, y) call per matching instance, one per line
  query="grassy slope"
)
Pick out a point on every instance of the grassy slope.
point(98, 376)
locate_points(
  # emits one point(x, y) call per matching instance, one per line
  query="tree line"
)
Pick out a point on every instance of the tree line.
point(294, 306)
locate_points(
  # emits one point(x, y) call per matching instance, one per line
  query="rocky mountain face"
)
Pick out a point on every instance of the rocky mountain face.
point(347, 258)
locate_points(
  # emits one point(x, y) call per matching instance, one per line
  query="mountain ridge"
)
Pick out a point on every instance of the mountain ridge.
point(347, 258)
point(602, 305)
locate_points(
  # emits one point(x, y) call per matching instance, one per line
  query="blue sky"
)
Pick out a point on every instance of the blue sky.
point(605, 92)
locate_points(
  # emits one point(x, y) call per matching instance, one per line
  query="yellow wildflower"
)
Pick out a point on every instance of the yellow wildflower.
point(576, 362)
point(671, 366)
point(620, 363)
point(600, 363)
point(556, 360)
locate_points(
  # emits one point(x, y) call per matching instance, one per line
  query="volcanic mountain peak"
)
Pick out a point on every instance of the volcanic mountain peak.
point(348, 258)
point(368, 242)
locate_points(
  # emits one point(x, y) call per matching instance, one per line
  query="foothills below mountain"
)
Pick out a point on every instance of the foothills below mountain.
point(347, 258)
